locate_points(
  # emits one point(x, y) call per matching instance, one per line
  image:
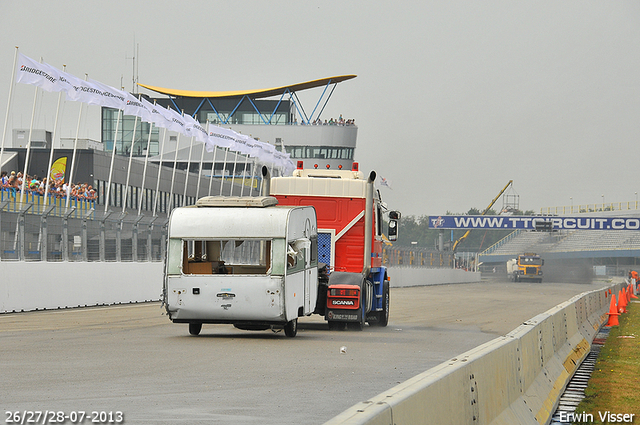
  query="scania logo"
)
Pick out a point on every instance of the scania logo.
point(342, 302)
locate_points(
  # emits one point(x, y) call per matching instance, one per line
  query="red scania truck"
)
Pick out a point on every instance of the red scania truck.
point(350, 221)
point(314, 246)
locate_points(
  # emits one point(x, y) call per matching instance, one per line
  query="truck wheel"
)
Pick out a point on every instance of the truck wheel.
point(291, 328)
point(359, 325)
point(195, 328)
point(336, 326)
point(384, 314)
point(355, 326)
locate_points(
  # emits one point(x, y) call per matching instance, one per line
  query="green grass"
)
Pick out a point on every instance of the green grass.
point(615, 383)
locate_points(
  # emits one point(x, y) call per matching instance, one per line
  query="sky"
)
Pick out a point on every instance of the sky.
point(452, 98)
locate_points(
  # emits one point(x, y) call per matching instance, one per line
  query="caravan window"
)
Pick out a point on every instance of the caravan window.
point(227, 256)
point(297, 254)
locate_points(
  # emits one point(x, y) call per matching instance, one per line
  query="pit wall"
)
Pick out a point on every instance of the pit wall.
point(27, 286)
point(37, 285)
point(511, 380)
point(415, 276)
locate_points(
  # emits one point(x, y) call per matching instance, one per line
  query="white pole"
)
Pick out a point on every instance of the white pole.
point(26, 160)
point(233, 176)
point(244, 173)
point(73, 160)
point(155, 199)
point(213, 168)
point(224, 166)
point(200, 172)
point(113, 155)
point(200, 167)
point(186, 178)
point(6, 118)
point(253, 170)
point(126, 187)
point(144, 172)
point(173, 175)
point(53, 142)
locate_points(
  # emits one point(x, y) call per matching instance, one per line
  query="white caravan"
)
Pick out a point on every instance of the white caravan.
point(244, 261)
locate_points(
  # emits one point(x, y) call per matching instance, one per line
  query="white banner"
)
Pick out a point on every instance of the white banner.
point(42, 75)
point(157, 117)
point(196, 129)
point(137, 108)
point(175, 122)
point(222, 137)
point(93, 92)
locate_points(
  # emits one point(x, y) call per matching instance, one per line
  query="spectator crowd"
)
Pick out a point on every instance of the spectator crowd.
point(57, 188)
point(339, 121)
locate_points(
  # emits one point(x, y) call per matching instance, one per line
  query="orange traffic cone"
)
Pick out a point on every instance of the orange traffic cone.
point(613, 313)
point(629, 290)
point(622, 298)
point(631, 294)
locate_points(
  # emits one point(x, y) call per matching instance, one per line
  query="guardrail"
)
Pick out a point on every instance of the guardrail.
point(12, 201)
point(501, 242)
point(515, 379)
point(589, 208)
point(30, 232)
point(402, 256)
point(33, 231)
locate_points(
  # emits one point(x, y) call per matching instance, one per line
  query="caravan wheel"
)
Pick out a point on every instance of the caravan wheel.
point(195, 328)
point(291, 328)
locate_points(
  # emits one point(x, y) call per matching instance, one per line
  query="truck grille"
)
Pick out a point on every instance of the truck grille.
point(531, 270)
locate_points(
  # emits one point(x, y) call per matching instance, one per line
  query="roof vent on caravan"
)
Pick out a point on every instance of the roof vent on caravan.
point(236, 201)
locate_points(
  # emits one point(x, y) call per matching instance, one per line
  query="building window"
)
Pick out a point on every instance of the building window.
point(319, 152)
point(125, 139)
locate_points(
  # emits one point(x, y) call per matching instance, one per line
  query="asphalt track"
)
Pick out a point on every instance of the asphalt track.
point(132, 359)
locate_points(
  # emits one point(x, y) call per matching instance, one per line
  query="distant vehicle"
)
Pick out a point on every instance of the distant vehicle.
point(526, 266)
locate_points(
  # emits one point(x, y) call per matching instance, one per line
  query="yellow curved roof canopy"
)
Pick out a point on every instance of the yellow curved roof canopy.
point(254, 94)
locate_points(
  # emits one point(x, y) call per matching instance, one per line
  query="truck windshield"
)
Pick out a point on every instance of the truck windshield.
point(531, 261)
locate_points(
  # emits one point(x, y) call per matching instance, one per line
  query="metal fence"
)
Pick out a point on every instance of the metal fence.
point(32, 232)
point(417, 257)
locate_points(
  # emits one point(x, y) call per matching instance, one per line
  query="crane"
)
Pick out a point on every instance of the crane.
point(463, 237)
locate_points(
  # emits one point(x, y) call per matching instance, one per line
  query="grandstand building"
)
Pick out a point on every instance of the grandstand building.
point(569, 254)
point(274, 115)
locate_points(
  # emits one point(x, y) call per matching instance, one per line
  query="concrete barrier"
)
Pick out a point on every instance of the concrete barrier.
point(27, 286)
point(515, 379)
point(39, 285)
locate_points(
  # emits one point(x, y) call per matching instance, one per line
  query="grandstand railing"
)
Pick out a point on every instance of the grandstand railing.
point(501, 242)
point(590, 208)
point(15, 201)
point(31, 232)
point(417, 257)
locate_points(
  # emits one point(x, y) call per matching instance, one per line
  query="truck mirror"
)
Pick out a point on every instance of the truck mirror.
point(394, 217)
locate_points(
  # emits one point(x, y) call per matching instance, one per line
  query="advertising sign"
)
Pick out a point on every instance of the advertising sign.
point(529, 222)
